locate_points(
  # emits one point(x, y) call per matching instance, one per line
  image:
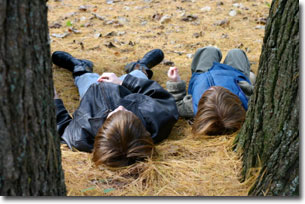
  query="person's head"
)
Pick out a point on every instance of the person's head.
point(122, 140)
point(219, 112)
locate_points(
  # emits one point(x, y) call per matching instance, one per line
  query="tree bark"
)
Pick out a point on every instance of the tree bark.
point(269, 137)
point(30, 156)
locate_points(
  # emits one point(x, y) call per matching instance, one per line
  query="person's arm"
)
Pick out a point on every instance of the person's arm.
point(177, 88)
point(247, 87)
point(63, 118)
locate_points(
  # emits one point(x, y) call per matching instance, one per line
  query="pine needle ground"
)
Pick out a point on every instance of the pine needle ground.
point(114, 34)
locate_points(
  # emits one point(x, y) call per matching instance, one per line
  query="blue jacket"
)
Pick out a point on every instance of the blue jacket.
point(218, 75)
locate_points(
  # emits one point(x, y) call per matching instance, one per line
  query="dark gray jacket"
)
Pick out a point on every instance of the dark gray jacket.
point(153, 105)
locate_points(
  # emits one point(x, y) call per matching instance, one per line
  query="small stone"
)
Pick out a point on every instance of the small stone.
point(205, 9)
point(190, 56)
point(143, 23)
point(238, 5)
point(232, 13)
point(262, 27)
point(224, 35)
point(109, 1)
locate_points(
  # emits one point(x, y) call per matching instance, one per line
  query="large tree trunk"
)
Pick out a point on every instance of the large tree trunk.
point(30, 156)
point(270, 136)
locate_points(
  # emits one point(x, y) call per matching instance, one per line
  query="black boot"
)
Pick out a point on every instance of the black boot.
point(150, 59)
point(67, 61)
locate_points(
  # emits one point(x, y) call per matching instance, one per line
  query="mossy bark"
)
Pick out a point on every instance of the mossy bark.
point(269, 137)
point(30, 156)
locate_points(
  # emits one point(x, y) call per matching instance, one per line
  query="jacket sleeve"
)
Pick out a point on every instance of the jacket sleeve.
point(183, 101)
point(246, 87)
point(146, 87)
point(63, 118)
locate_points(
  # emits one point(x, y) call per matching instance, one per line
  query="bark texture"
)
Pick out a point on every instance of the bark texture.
point(270, 136)
point(30, 156)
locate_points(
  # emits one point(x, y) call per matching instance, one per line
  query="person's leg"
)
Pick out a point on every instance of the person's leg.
point(238, 59)
point(136, 73)
point(204, 58)
point(84, 81)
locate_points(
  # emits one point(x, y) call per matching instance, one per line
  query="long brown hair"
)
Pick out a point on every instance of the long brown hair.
point(219, 112)
point(122, 140)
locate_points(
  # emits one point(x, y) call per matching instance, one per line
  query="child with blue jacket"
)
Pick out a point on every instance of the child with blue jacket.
point(218, 93)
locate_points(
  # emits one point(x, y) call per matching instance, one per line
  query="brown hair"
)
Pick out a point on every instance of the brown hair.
point(219, 112)
point(122, 140)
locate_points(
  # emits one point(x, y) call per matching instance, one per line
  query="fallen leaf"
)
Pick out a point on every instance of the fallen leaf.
point(95, 15)
point(223, 23)
point(73, 30)
point(165, 19)
point(189, 18)
point(109, 45)
point(111, 34)
point(131, 43)
point(68, 23)
point(82, 8)
point(56, 25)
point(157, 16)
point(97, 35)
point(168, 63)
point(63, 35)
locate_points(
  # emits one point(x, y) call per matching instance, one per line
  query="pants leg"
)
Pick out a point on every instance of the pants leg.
point(204, 58)
point(136, 73)
point(84, 81)
point(238, 59)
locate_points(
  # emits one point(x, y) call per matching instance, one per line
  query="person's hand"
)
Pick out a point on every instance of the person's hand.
point(173, 74)
point(110, 77)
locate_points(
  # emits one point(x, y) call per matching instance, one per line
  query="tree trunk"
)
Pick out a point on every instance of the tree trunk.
point(30, 156)
point(269, 137)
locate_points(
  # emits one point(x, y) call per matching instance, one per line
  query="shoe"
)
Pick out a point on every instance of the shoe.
point(150, 59)
point(67, 61)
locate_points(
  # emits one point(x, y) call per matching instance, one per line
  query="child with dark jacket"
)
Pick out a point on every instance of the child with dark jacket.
point(119, 118)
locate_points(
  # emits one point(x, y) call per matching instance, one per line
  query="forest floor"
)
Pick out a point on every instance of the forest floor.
point(112, 33)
